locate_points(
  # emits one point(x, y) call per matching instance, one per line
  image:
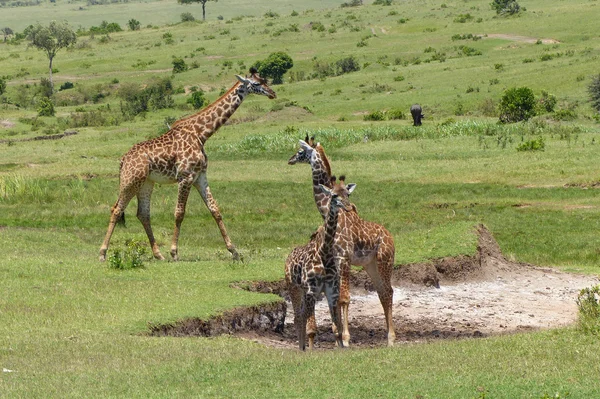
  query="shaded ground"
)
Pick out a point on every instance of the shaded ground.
point(466, 296)
point(518, 38)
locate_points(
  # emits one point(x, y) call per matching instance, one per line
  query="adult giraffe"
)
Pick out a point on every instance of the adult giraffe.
point(368, 244)
point(178, 157)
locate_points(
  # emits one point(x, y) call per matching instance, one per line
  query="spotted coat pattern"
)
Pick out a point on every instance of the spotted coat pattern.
point(359, 242)
point(178, 157)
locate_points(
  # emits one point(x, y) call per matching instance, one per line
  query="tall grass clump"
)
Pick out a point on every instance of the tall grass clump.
point(588, 302)
point(17, 189)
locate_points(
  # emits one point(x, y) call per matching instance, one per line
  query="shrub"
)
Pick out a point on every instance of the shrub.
point(66, 86)
point(564, 115)
point(352, 3)
point(532, 145)
point(347, 65)
point(45, 107)
point(394, 114)
point(517, 104)
point(2, 85)
point(546, 102)
point(462, 18)
point(187, 17)
point(156, 95)
point(594, 90)
point(382, 3)
point(179, 65)
point(505, 7)
point(197, 99)
point(374, 116)
point(133, 24)
point(130, 258)
point(588, 302)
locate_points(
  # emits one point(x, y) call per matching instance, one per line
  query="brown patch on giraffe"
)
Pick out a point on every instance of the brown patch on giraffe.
point(480, 295)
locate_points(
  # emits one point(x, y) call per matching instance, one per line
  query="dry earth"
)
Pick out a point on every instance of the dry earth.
point(466, 296)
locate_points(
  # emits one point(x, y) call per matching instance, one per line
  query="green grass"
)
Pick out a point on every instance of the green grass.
point(72, 327)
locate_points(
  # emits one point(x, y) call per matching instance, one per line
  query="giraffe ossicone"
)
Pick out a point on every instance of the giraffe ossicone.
point(178, 157)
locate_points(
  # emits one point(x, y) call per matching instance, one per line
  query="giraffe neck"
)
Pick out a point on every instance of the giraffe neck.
point(321, 173)
point(206, 122)
point(331, 223)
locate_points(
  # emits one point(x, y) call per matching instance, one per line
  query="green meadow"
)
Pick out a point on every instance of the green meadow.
point(71, 326)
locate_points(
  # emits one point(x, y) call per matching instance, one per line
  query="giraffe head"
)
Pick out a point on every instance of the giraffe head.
point(254, 84)
point(339, 194)
point(306, 151)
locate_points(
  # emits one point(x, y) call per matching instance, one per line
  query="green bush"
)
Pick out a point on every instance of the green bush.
point(517, 104)
point(2, 85)
point(130, 258)
point(346, 65)
point(505, 7)
point(546, 102)
point(197, 99)
point(187, 17)
point(156, 95)
point(66, 86)
point(374, 116)
point(588, 302)
point(564, 115)
point(274, 66)
point(133, 24)
point(46, 107)
point(394, 114)
point(594, 90)
point(179, 65)
point(532, 145)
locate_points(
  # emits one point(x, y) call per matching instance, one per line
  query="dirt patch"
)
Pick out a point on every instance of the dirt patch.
point(518, 38)
point(455, 297)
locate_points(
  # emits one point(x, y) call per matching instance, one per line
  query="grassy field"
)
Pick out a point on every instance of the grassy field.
point(73, 327)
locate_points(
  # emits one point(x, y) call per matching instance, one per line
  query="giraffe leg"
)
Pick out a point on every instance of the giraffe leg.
point(332, 293)
point(311, 330)
point(308, 308)
point(182, 196)
point(296, 295)
point(381, 273)
point(202, 185)
point(344, 300)
point(116, 213)
point(143, 214)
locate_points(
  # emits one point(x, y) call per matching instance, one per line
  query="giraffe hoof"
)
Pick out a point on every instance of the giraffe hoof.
point(159, 256)
point(234, 254)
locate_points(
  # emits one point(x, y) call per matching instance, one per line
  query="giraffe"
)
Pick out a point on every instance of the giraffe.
point(369, 244)
point(314, 268)
point(178, 156)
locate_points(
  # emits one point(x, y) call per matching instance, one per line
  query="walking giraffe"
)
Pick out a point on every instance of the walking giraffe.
point(178, 157)
point(314, 268)
point(369, 244)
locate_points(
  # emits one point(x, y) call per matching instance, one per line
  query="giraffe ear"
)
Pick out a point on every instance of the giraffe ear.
point(325, 189)
point(243, 80)
point(350, 187)
point(304, 145)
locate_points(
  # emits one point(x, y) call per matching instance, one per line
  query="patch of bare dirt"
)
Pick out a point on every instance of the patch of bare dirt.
point(6, 124)
point(518, 38)
point(455, 297)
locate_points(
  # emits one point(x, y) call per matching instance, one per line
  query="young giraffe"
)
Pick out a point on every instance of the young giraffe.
point(178, 157)
point(314, 268)
point(369, 244)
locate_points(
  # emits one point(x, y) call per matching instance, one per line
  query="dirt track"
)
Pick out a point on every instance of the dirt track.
point(467, 296)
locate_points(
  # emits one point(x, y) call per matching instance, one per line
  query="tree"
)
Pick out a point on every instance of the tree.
point(50, 39)
point(275, 66)
point(505, 6)
point(133, 24)
point(594, 90)
point(6, 32)
point(517, 104)
point(203, 2)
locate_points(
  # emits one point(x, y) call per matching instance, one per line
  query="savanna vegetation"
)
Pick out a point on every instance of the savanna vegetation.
point(73, 327)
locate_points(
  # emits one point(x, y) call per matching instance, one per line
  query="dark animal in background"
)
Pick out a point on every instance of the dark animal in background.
point(417, 113)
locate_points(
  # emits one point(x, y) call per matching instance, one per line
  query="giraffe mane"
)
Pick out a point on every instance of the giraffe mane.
point(321, 151)
point(208, 107)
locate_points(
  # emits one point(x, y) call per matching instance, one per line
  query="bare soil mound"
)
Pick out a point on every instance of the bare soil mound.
point(455, 297)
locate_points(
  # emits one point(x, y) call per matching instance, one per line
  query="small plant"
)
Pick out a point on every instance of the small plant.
point(179, 65)
point(505, 7)
point(46, 107)
point(129, 258)
point(66, 86)
point(588, 303)
point(395, 114)
point(532, 145)
point(462, 18)
point(133, 24)
point(564, 115)
point(374, 116)
point(197, 99)
point(546, 102)
point(187, 17)
point(594, 90)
